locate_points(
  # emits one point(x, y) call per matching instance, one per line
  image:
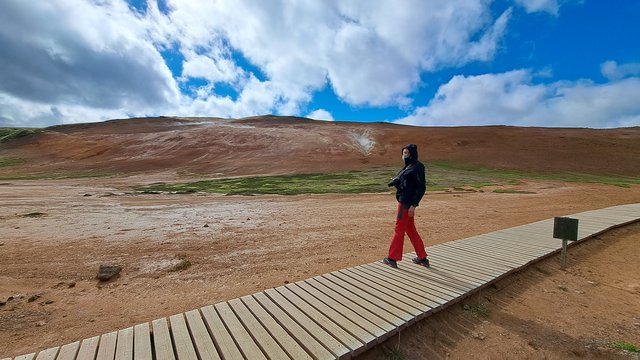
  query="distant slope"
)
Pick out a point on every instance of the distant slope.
point(280, 145)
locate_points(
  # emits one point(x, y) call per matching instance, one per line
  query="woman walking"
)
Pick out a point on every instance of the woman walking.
point(410, 188)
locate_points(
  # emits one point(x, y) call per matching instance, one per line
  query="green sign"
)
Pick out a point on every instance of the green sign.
point(565, 228)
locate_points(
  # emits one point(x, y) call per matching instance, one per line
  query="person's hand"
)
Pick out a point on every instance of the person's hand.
point(412, 211)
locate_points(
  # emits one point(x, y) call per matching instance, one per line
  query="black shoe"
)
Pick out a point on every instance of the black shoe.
point(390, 262)
point(424, 262)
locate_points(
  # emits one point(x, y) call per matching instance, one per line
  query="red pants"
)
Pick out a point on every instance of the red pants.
point(405, 224)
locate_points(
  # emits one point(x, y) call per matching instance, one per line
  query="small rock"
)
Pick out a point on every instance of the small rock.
point(636, 325)
point(107, 272)
point(72, 284)
point(1, 244)
point(206, 225)
point(286, 281)
point(3, 303)
point(48, 302)
point(86, 195)
point(34, 297)
point(41, 323)
point(10, 298)
point(479, 336)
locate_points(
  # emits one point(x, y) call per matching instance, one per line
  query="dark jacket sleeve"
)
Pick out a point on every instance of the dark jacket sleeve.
point(421, 185)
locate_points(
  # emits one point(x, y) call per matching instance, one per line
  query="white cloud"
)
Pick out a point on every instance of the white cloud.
point(320, 114)
point(82, 54)
point(513, 98)
point(103, 57)
point(25, 113)
point(550, 6)
point(371, 53)
point(213, 69)
point(613, 71)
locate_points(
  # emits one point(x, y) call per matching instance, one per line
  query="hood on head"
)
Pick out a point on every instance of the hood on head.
point(413, 151)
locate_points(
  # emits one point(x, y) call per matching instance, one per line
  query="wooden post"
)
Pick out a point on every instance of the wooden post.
point(567, 230)
point(563, 255)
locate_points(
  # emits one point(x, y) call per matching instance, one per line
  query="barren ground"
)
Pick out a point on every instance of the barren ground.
point(55, 234)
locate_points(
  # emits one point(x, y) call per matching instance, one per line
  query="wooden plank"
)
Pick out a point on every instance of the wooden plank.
point(444, 267)
point(48, 354)
point(350, 325)
point(248, 347)
point(480, 263)
point(69, 351)
point(124, 345)
point(288, 344)
point(508, 243)
point(471, 252)
point(377, 316)
point(506, 256)
point(339, 327)
point(388, 292)
point(549, 243)
point(25, 357)
point(428, 282)
point(505, 246)
point(368, 301)
point(456, 265)
point(181, 338)
point(450, 262)
point(330, 342)
point(528, 235)
point(221, 337)
point(265, 341)
point(420, 289)
point(396, 288)
point(441, 267)
point(88, 348)
point(358, 319)
point(107, 347)
point(302, 336)
point(462, 268)
point(142, 342)
point(409, 317)
point(201, 338)
point(420, 273)
point(465, 261)
point(162, 340)
point(489, 259)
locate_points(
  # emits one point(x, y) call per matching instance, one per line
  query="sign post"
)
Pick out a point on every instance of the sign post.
point(566, 229)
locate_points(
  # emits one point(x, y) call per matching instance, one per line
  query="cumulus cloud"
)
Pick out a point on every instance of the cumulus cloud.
point(514, 98)
point(613, 71)
point(74, 54)
point(103, 55)
point(320, 114)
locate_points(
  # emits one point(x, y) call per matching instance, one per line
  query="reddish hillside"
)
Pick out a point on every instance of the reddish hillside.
point(278, 145)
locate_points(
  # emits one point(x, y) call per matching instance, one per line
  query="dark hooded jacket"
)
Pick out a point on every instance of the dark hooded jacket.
point(411, 183)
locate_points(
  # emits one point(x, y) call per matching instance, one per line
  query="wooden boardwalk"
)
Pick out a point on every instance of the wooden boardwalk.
point(340, 314)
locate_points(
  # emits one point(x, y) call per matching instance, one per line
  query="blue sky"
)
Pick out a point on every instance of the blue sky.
point(560, 63)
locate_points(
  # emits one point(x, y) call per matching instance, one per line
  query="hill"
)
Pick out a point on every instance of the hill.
point(214, 147)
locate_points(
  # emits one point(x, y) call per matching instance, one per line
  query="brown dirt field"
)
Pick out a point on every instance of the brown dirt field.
point(54, 237)
point(282, 145)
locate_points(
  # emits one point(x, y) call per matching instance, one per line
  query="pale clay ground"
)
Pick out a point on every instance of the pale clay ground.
point(254, 243)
